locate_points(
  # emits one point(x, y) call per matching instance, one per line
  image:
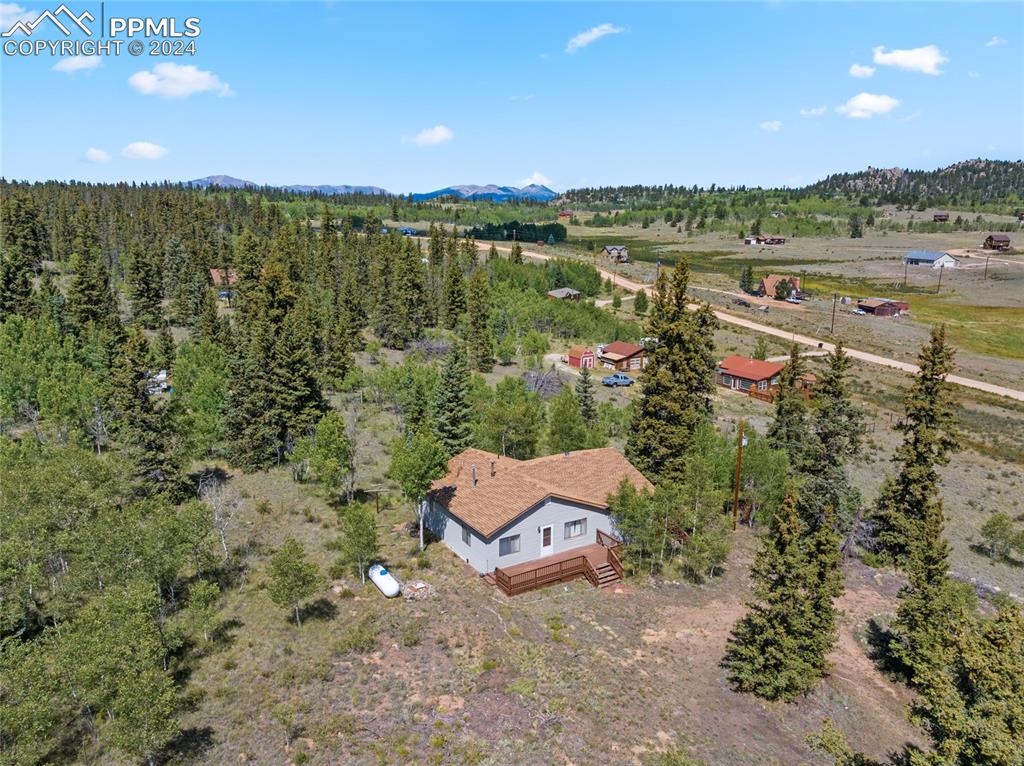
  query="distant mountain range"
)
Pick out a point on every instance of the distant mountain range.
point(535, 192)
point(492, 192)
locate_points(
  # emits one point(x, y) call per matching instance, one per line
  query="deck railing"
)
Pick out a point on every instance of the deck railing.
point(513, 585)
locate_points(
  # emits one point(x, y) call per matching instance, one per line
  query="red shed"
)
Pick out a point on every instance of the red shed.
point(580, 357)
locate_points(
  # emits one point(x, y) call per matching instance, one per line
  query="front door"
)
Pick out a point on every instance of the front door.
point(546, 545)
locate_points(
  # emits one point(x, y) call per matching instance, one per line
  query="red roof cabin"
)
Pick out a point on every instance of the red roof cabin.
point(581, 357)
point(741, 373)
point(627, 357)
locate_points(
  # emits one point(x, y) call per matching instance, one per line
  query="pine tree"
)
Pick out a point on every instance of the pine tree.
point(788, 430)
point(929, 436)
point(566, 430)
point(208, 325)
point(585, 397)
point(454, 295)
point(145, 289)
point(775, 650)
point(837, 429)
point(253, 414)
point(677, 385)
point(640, 303)
point(452, 414)
point(162, 350)
point(826, 585)
point(15, 281)
point(24, 233)
point(479, 338)
point(296, 392)
point(90, 297)
point(516, 256)
point(747, 279)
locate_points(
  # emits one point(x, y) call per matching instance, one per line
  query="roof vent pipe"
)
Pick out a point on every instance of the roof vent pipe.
point(494, 468)
point(472, 471)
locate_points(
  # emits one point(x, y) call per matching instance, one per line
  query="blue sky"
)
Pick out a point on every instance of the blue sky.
point(415, 96)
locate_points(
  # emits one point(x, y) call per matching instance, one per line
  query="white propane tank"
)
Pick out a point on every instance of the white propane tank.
point(384, 580)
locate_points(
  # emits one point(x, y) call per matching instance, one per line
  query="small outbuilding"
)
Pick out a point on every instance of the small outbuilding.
point(940, 218)
point(223, 277)
point(997, 242)
point(564, 294)
point(581, 357)
point(880, 307)
point(931, 259)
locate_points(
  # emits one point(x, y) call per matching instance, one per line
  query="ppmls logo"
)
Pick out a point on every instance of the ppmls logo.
point(161, 36)
point(27, 28)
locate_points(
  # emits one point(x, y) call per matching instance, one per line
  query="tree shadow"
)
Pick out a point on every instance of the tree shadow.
point(223, 634)
point(188, 745)
point(880, 641)
point(1007, 559)
point(321, 609)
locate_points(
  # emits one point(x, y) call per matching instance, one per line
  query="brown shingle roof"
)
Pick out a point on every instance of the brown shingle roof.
point(586, 477)
point(619, 349)
point(749, 369)
point(771, 280)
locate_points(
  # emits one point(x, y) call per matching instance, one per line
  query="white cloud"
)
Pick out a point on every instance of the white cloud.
point(863, 106)
point(813, 111)
point(169, 80)
point(438, 134)
point(536, 178)
point(861, 70)
point(926, 59)
point(12, 12)
point(92, 154)
point(771, 126)
point(143, 150)
point(974, 75)
point(996, 40)
point(583, 39)
point(77, 64)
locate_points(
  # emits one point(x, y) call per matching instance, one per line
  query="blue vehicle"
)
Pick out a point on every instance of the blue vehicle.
point(618, 379)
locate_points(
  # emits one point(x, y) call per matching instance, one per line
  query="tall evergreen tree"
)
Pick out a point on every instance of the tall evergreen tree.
point(90, 296)
point(777, 650)
point(929, 436)
point(454, 294)
point(253, 414)
point(145, 288)
point(516, 255)
point(585, 397)
point(677, 385)
point(15, 281)
point(789, 428)
point(452, 415)
point(479, 338)
point(295, 387)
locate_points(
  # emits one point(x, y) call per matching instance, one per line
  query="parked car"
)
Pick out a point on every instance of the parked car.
point(793, 300)
point(618, 379)
point(741, 302)
point(859, 312)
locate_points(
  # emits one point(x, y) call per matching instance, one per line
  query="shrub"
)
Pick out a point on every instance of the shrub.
point(358, 637)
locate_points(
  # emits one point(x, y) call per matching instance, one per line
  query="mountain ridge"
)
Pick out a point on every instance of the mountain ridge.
point(492, 192)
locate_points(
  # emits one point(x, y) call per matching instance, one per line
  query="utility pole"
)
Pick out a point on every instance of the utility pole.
point(939, 288)
point(736, 486)
point(986, 264)
point(832, 329)
point(904, 273)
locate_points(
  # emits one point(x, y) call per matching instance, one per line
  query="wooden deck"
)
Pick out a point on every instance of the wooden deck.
point(598, 562)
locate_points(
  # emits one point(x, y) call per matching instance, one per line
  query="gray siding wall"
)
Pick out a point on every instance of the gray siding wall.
point(483, 554)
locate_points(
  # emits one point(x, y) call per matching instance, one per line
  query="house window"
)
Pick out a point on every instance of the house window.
point(465, 534)
point(575, 529)
point(508, 545)
point(762, 384)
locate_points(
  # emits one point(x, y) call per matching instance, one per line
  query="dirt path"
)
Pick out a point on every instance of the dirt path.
point(793, 337)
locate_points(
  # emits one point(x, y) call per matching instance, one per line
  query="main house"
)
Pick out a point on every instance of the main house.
point(742, 373)
point(530, 522)
point(616, 253)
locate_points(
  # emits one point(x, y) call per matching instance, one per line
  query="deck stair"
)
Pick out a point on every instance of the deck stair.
point(606, 576)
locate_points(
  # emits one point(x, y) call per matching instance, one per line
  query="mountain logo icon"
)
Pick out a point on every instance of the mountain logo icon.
point(27, 28)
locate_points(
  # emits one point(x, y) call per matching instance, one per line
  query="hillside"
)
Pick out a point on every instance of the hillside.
point(972, 180)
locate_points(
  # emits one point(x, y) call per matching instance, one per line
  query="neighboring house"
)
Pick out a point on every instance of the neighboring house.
point(580, 357)
point(769, 285)
point(940, 218)
point(750, 240)
point(565, 214)
point(997, 242)
point(882, 307)
point(222, 277)
point(530, 522)
point(771, 239)
point(932, 259)
point(564, 294)
point(617, 253)
point(628, 357)
point(741, 373)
